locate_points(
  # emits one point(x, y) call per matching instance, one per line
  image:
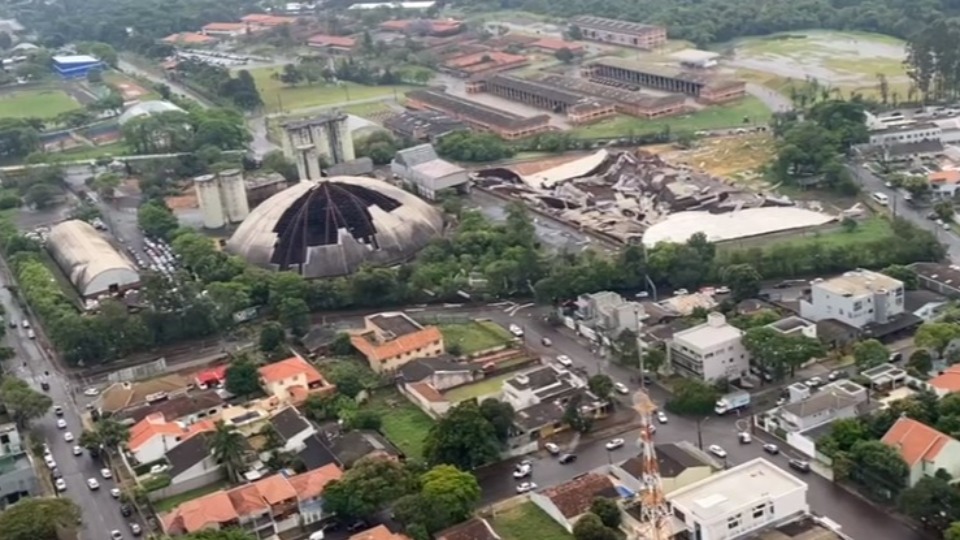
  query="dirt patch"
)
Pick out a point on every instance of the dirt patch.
point(131, 91)
point(737, 158)
point(187, 201)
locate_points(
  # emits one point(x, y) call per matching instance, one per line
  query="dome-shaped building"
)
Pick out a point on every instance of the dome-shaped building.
point(332, 227)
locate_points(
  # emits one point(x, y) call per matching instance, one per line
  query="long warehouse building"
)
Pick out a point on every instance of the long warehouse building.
point(582, 101)
point(704, 86)
point(93, 265)
point(478, 116)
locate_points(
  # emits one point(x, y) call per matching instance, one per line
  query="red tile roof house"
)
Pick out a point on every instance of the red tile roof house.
point(925, 449)
point(568, 501)
point(341, 44)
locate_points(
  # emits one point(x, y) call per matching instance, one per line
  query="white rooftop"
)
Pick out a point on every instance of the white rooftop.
point(438, 168)
point(679, 227)
point(714, 332)
point(75, 59)
point(734, 489)
point(859, 283)
point(695, 55)
point(574, 169)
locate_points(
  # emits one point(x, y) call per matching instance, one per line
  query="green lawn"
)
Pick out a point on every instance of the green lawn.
point(724, 116)
point(280, 97)
point(475, 336)
point(867, 231)
point(168, 504)
point(37, 103)
point(485, 387)
point(525, 522)
point(403, 423)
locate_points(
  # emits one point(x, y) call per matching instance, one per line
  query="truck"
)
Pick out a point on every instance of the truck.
point(732, 402)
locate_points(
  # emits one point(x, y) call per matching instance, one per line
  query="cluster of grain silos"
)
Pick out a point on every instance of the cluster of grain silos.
point(222, 198)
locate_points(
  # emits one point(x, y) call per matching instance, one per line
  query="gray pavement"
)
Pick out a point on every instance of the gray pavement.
point(101, 513)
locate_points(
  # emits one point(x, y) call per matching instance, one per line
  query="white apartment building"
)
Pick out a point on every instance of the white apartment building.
point(907, 133)
point(739, 502)
point(856, 298)
point(710, 351)
point(544, 384)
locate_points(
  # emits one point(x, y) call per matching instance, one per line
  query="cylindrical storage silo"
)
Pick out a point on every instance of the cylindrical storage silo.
point(233, 193)
point(208, 195)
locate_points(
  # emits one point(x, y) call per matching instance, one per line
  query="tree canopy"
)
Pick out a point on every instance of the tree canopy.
point(22, 402)
point(38, 518)
point(463, 438)
point(368, 487)
point(693, 397)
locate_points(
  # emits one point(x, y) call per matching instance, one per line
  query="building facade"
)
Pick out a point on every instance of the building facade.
point(711, 351)
point(704, 86)
point(477, 116)
point(623, 33)
point(18, 479)
point(325, 137)
point(391, 340)
point(856, 298)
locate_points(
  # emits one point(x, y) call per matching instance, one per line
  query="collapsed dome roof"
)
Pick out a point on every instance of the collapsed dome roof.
point(332, 227)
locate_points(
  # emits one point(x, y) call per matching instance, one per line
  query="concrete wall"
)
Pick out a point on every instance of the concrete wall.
point(190, 482)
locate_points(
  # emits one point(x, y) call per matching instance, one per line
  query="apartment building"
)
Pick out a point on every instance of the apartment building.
point(390, 340)
point(857, 298)
point(710, 351)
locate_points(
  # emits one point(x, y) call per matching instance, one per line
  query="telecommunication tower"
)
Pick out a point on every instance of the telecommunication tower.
point(654, 513)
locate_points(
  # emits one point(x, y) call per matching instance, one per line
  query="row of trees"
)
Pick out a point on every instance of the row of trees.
point(219, 84)
point(932, 63)
point(175, 131)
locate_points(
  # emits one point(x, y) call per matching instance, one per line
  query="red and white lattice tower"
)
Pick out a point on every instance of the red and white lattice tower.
point(655, 514)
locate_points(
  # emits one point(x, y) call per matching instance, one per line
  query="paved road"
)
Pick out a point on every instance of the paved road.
point(101, 513)
point(872, 183)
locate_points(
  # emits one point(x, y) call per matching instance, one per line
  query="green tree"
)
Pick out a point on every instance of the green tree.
point(920, 361)
point(40, 196)
point(364, 419)
point(936, 336)
point(904, 274)
point(463, 438)
point(368, 487)
point(294, 314)
point(229, 448)
point(22, 402)
point(933, 502)
point(590, 527)
point(870, 353)
point(601, 386)
point(156, 220)
point(844, 433)
point(277, 162)
point(272, 337)
point(573, 415)
point(944, 211)
point(626, 348)
point(879, 469)
point(350, 378)
point(110, 432)
point(608, 512)
point(450, 494)
point(38, 518)
point(692, 397)
point(778, 353)
point(500, 414)
point(242, 377)
point(953, 532)
point(654, 358)
point(743, 280)
point(565, 55)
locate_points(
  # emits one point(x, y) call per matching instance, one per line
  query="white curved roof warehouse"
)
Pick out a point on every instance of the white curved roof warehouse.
point(91, 263)
point(679, 227)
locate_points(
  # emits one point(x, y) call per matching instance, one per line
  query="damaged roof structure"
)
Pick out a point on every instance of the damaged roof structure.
point(623, 195)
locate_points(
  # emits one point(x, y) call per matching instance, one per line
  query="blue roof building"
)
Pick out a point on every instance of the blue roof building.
point(75, 66)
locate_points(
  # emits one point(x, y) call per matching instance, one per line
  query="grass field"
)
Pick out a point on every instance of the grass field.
point(868, 230)
point(526, 521)
point(36, 103)
point(280, 97)
point(475, 336)
point(731, 115)
point(403, 423)
point(486, 387)
point(165, 505)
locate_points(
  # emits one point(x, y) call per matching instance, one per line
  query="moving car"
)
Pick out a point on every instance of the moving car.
point(61, 484)
point(93, 484)
point(524, 487)
point(717, 451)
point(106, 473)
point(567, 458)
point(744, 437)
point(77, 451)
point(91, 392)
point(516, 330)
point(522, 471)
point(662, 417)
point(135, 529)
point(358, 525)
point(800, 465)
point(126, 510)
point(621, 388)
point(58, 410)
point(31, 334)
point(115, 493)
point(116, 535)
point(564, 360)
point(68, 436)
point(771, 449)
point(552, 448)
point(61, 423)
point(615, 443)
point(814, 382)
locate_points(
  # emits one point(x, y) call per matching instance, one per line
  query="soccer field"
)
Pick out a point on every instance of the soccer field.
point(35, 103)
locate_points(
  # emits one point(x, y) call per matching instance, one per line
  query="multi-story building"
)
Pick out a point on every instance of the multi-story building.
point(18, 479)
point(921, 131)
point(703, 85)
point(711, 351)
point(858, 298)
point(624, 33)
point(480, 117)
point(325, 137)
point(545, 384)
point(390, 340)
point(736, 503)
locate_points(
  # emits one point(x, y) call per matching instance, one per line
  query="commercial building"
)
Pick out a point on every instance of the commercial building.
point(335, 44)
point(858, 298)
point(480, 117)
point(921, 131)
point(423, 170)
point(222, 198)
point(924, 449)
point(711, 351)
point(75, 66)
point(332, 227)
point(390, 340)
point(18, 478)
point(482, 63)
point(582, 101)
point(702, 85)
point(325, 137)
point(739, 502)
point(148, 108)
point(623, 33)
point(93, 266)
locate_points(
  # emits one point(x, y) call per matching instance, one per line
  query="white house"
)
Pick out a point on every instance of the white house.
point(541, 385)
point(710, 351)
point(835, 401)
point(738, 502)
point(293, 428)
point(857, 298)
point(192, 466)
point(924, 449)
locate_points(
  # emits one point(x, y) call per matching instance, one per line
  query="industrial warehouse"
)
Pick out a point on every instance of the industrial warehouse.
point(479, 116)
point(702, 85)
point(94, 267)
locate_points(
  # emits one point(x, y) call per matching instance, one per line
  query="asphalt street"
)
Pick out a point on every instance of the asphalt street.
point(101, 513)
point(859, 519)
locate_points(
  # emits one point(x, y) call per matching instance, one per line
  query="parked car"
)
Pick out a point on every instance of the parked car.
point(116, 535)
point(546, 341)
point(61, 484)
point(68, 437)
point(771, 449)
point(564, 360)
point(552, 448)
point(662, 417)
point(105, 472)
point(800, 465)
point(91, 392)
point(567, 458)
point(77, 451)
point(135, 529)
point(115, 493)
point(615, 443)
point(126, 510)
point(524, 487)
point(61, 423)
point(717, 451)
point(58, 410)
point(621, 388)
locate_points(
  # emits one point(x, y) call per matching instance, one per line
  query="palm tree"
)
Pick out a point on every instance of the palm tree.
point(228, 447)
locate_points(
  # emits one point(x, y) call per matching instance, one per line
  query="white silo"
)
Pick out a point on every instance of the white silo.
point(208, 195)
point(233, 193)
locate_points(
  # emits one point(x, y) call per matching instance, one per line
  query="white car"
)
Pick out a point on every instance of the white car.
point(61, 423)
point(522, 471)
point(106, 473)
point(115, 493)
point(93, 484)
point(91, 392)
point(722, 290)
point(51, 463)
point(552, 448)
point(524, 487)
point(564, 360)
point(116, 535)
point(717, 451)
point(68, 436)
point(621, 388)
point(77, 451)
point(60, 484)
point(615, 443)
point(516, 330)
point(662, 417)
point(814, 382)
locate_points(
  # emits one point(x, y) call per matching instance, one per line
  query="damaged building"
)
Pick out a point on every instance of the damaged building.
point(624, 195)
